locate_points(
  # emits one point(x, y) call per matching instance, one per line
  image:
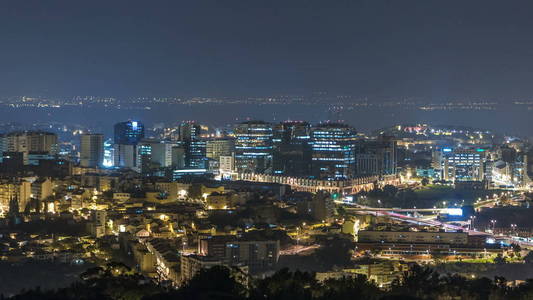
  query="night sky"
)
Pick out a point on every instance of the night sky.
point(435, 49)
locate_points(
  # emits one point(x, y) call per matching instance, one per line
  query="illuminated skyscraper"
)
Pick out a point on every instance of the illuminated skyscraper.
point(195, 155)
point(127, 136)
point(129, 133)
point(253, 147)
point(91, 150)
point(333, 151)
point(195, 148)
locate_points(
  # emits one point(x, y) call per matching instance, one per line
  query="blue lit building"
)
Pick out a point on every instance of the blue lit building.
point(195, 156)
point(253, 147)
point(109, 154)
point(127, 137)
point(129, 133)
point(333, 147)
point(195, 147)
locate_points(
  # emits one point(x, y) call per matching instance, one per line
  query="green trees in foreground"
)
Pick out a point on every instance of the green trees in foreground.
point(116, 282)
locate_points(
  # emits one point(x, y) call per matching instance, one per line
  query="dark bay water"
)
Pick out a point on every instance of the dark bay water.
point(509, 120)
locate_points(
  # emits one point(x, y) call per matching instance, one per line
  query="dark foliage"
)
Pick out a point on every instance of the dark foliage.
point(116, 281)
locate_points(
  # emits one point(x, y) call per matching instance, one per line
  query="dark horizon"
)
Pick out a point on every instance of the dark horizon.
point(377, 49)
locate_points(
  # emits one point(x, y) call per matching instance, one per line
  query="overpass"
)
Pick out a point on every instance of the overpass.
point(398, 209)
point(393, 214)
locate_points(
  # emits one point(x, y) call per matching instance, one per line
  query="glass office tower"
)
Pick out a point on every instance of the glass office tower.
point(253, 147)
point(333, 151)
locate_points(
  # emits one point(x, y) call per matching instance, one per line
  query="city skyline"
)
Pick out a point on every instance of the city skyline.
point(266, 150)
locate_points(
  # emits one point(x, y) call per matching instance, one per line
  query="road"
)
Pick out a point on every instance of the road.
point(391, 212)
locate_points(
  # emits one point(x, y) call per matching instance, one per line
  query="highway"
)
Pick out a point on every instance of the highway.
point(393, 214)
point(366, 208)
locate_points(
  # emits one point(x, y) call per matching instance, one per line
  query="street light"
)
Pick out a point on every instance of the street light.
point(493, 224)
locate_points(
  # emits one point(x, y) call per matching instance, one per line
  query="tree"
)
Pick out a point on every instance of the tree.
point(420, 282)
point(286, 285)
point(195, 191)
point(516, 247)
point(341, 210)
point(407, 198)
point(356, 287)
point(499, 259)
point(213, 283)
point(335, 252)
point(529, 257)
point(390, 190)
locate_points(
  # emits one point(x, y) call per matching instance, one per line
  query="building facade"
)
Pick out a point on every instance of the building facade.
point(292, 150)
point(253, 146)
point(91, 150)
point(463, 164)
point(333, 148)
point(129, 133)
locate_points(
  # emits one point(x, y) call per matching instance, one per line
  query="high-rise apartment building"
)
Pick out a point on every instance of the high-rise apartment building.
point(30, 141)
point(91, 150)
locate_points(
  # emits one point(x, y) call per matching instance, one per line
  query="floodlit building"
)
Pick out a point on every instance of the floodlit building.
point(19, 190)
point(463, 164)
